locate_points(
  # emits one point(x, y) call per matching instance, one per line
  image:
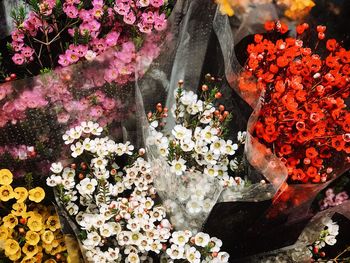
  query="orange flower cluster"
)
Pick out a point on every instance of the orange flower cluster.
point(304, 118)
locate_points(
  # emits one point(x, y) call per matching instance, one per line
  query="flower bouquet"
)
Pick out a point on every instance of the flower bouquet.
point(192, 161)
point(30, 231)
point(114, 206)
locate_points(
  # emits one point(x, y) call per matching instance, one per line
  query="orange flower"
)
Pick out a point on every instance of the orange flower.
point(338, 143)
point(311, 153)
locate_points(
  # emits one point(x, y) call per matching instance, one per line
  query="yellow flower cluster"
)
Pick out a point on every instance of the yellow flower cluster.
point(30, 232)
point(296, 9)
point(226, 7)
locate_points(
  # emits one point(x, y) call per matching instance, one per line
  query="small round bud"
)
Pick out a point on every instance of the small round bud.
point(204, 87)
point(181, 82)
point(221, 107)
point(218, 95)
point(142, 151)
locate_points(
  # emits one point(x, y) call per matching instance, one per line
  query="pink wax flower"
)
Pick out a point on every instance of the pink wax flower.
point(111, 75)
point(63, 61)
point(17, 46)
point(98, 3)
point(160, 22)
point(86, 15)
point(96, 111)
point(145, 28)
point(99, 45)
point(112, 38)
point(17, 36)
point(72, 56)
point(157, 3)
point(20, 105)
point(333, 199)
point(63, 117)
point(18, 59)
point(5, 90)
point(148, 17)
point(109, 104)
point(130, 18)
point(70, 10)
point(80, 50)
point(27, 52)
point(97, 11)
point(99, 96)
point(122, 8)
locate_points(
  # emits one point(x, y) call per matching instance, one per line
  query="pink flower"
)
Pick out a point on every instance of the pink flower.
point(94, 25)
point(97, 11)
point(122, 8)
point(72, 56)
point(96, 111)
point(111, 75)
point(148, 17)
point(112, 38)
point(99, 45)
point(70, 10)
point(17, 36)
point(130, 18)
point(143, 3)
point(63, 61)
point(17, 46)
point(27, 52)
point(109, 104)
point(80, 50)
point(160, 22)
point(18, 59)
point(157, 3)
point(86, 15)
point(145, 28)
point(63, 117)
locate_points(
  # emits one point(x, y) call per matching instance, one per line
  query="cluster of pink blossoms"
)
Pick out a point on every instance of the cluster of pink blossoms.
point(101, 25)
point(20, 152)
point(333, 199)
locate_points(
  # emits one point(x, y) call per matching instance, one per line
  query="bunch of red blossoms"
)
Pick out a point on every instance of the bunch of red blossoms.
point(304, 118)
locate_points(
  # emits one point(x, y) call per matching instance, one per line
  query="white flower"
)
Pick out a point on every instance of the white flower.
point(333, 228)
point(180, 132)
point(178, 166)
point(96, 129)
point(230, 148)
point(99, 162)
point(241, 136)
point(90, 55)
point(87, 186)
point(330, 240)
point(201, 239)
point(76, 132)
point(211, 158)
point(56, 167)
point(211, 170)
point(218, 147)
point(223, 256)
point(77, 149)
point(208, 205)
point(193, 255)
point(209, 134)
point(195, 107)
point(89, 145)
point(217, 244)
point(175, 252)
point(188, 98)
point(163, 150)
point(194, 206)
point(207, 116)
point(156, 246)
point(187, 145)
point(106, 230)
point(72, 208)
point(53, 180)
point(180, 238)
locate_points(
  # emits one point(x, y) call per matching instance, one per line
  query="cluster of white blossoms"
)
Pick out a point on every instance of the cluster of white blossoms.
point(328, 235)
point(114, 207)
point(196, 141)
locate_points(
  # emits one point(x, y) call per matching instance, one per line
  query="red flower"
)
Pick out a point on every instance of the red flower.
point(338, 143)
point(311, 153)
point(331, 44)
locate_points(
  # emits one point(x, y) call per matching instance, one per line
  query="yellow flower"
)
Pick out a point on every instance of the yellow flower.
point(21, 194)
point(6, 193)
point(30, 250)
point(28, 259)
point(34, 223)
point(6, 177)
point(32, 238)
point(11, 247)
point(10, 221)
point(16, 256)
point(47, 247)
point(47, 237)
point(296, 9)
point(36, 194)
point(19, 209)
point(50, 261)
point(53, 223)
point(4, 232)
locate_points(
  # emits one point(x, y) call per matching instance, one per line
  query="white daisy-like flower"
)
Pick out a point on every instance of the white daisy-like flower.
point(56, 167)
point(72, 208)
point(211, 158)
point(87, 186)
point(330, 240)
point(53, 180)
point(180, 132)
point(179, 238)
point(178, 166)
point(76, 149)
point(211, 170)
point(207, 116)
point(223, 256)
point(76, 132)
point(188, 98)
point(209, 134)
point(89, 145)
point(106, 230)
point(175, 251)
point(99, 163)
point(201, 239)
point(187, 145)
point(241, 136)
point(193, 255)
point(218, 147)
point(230, 148)
point(96, 129)
point(195, 107)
